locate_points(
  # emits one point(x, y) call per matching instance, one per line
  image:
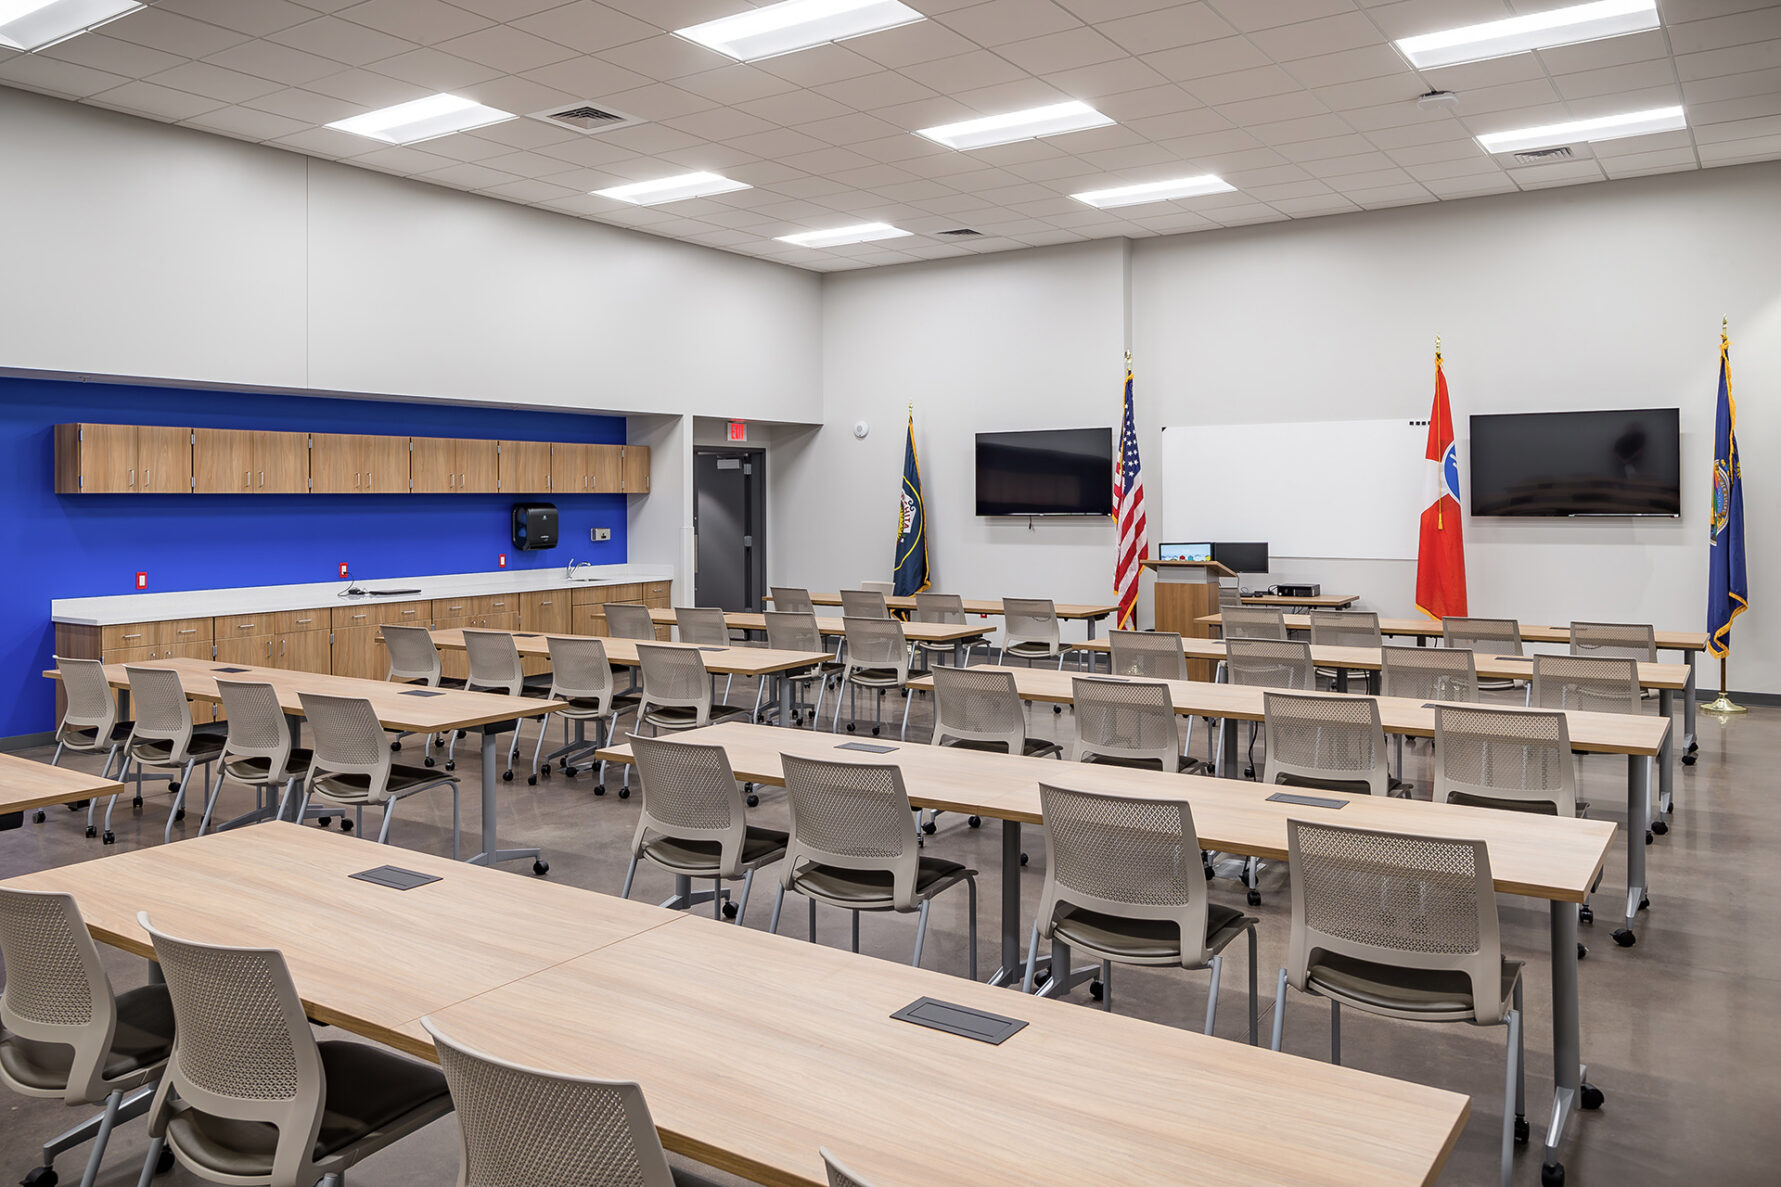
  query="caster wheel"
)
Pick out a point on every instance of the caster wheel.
point(395, 745)
point(324, 821)
point(1023, 859)
point(1521, 1131)
point(164, 1163)
point(1624, 937)
point(429, 760)
point(38, 817)
point(930, 828)
point(545, 770)
point(753, 800)
point(1693, 746)
point(1660, 827)
point(1211, 873)
point(850, 727)
point(92, 830)
point(1585, 915)
point(1552, 1174)
point(179, 816)
point(568, 772)
point(531, 780)
point(43, 1176)
point(173, 788)
point(1057, 709)
point(1249, 772)
point(1255, 898)
point(109, 838)
point(1648, 836)
point(345, 825)
point(1591, 1097)
point(1582, 951)
point(599, 791)
point(974, 821)
point(1095, 990)
point(729, 910)
point(1644, 903)
point(874, 731)
point(451, 764)
point(624, 793)
point(507, 776)
point(1688, 760)
point(540, 867)
point(136, 802)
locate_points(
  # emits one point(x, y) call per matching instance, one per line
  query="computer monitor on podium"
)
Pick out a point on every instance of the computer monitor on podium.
point(1184, 552)
point(1242, 558)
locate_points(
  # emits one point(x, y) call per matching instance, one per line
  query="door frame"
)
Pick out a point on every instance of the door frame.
point(756, 487)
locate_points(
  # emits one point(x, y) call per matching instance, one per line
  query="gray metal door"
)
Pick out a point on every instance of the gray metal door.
point(729, 523)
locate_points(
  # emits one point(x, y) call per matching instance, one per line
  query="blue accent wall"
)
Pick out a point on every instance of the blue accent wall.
point(69, 546)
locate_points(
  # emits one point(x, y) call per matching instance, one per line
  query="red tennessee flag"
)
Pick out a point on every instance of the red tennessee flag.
point(1441, 550)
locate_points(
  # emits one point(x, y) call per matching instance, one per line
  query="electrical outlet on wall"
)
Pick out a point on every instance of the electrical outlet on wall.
point(596, 535)
point(500, 560)
point(343, 572)
point(142, 580)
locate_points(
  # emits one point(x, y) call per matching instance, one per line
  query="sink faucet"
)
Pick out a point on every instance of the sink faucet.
point(574, 565)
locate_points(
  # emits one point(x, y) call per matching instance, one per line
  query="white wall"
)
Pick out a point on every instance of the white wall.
point(155, 252)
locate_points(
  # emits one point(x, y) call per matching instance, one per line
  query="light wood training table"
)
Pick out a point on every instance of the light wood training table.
point(404, 707)
point(1315, 601)
point(1543, 857)
point(30, 786)
point(724, 1026)
point(1089, 612)
point(915, 632)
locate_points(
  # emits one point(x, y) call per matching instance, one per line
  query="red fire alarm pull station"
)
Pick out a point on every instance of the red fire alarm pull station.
point(501, 560)
point(738, 430)
point(142, 581)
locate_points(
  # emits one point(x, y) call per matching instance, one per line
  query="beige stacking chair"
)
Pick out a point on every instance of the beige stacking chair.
point(796, 630)
point(90, 723)
point(495, 666)
point(1345, 628)
point(580, 677)
point(1335, 743)
point(258, 751)
point(947, 610)
point(351, 766)
point(876, 659)
point(1426, 674)
point(1125, 723)
point(165, 739)
point(630, 620)
point(792, 599)
point(1487, 637)
point(414, 659)
point(977, 709)
point(1030, 632)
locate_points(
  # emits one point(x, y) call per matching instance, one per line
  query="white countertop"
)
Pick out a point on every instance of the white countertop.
point(266, 599)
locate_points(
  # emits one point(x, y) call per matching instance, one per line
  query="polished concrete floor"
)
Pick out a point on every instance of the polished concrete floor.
point(1682, 1032)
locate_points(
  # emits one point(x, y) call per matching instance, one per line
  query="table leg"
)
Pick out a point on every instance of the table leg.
point(1091, 627)
point(492, 853)
point(958, 653)
point(1666, 765)
point(1570, 1087)
point(1638, 807)
point(1010, 971)
point(1689, 699)
point(685, 896)
point(1228, 763)
point(1341, 679)
point(785, 699)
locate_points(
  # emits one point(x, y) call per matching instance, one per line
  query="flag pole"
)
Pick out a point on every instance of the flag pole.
point(1724, 706)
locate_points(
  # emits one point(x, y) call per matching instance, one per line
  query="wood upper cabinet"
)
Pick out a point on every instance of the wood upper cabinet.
point(587, 469)
point(244, 461)
point(525, 467)
point(123, 459)
point(450, 466)
point(636, 469)
point(353, 464)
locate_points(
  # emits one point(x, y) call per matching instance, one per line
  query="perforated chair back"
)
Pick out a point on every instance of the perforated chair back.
point(839, 1175)
point(1324, 741)
point(413, 655)
point(1127, 720)
point(863, 603)
point(56, 990)
point(1521, 757)
point(853, 816)
point(1486, 636)
point(1229, 596)
point(523, 1127)
point(887, 588)
point(674, 678)
point(1270, 663)
point(1428, 673)
point(494, 661)
point(876, 644)
point(944, 608)
point(1154, 655)
point(346, 739)
point(1395, 899)
point(257, 729)
point(793, 630)
point(162, 715)
point(579, 669)
point(978, 705)
point(1345, 628)
point(1127, 857)
point(1253, 622)
point(791, 599)
point(90, 704)
point(1596, 683)
point(690, 793)
point(1615, 640)
point(1031, 621)
point(702, 625)
point(630, 620)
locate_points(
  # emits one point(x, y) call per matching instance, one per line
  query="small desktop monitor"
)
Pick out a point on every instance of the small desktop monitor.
point(1242, 558)
point(1184, 552)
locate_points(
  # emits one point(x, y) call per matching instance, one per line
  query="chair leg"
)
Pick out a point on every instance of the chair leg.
point(148, 1164)
point(1253, 987)
point(1212, 994)
point(1335, 1032)
point(178, 805)
point(631, 874)
point(908, 704)
point(742, 904)
point(538, 750)
point(813, 921)
point(1511, 1092)
point(100, 1140)
point(1107, 987)
point(717, 899)
point(216, 789)
point(971, 888)
point(856, 930)
point(921, 931)
point(1279, 1012)
point(1026, 982)
point(389, 814)
point(778, 906)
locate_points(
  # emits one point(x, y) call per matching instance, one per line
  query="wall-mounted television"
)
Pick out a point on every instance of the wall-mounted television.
point(1045, 472)
point(1543, 464)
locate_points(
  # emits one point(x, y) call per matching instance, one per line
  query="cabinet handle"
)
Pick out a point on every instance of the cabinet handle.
point(262, 478)
point(135, 636)
point(148, 479)
point(304, 621)
point(281, 647)
point(132, 476)
point(358, 616)
point(358, 480)
point(368, 477)
point(245, 626)
point(190, 630)
point(547, 603)
point(247, 478)
point(408, 612)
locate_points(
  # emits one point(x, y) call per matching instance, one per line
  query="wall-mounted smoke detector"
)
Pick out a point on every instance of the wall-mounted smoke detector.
point(586, 118)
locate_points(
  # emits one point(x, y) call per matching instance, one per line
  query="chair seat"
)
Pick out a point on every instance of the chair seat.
point(144, 1038)
point(1533, 807)
point(1143, 941)
point(356, 788)
point(205, 745)
point(870, 890)
point(373, 1097)
point(946, 645)
point(1388, 989)
point(83, 738)
point(1354, 786)
point(587, 708)
point(686, 717)
point(254, 769)
point(1033, 647)
point(1030, 747)
point(1182, 762)
point(876, 677)
point(823, 671)
point(699, 857)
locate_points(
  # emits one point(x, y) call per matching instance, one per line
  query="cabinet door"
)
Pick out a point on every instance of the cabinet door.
point(165, 456)
point(637, 469)
point(545, 612)
point(304, 651)
point(223, 461)
point(259, 651)
point(607, 463)
point(358, 651)
point(335, 465)
point(479, 467)
point(108, 462)
point(525, 467)
point(434, 465)
point(281, 463)
point(386, 464)
point(569, 469)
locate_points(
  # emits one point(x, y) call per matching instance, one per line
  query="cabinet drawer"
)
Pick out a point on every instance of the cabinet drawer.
point(480, 606)
point(600, 594)
point(277, 622)
point(158, 634)
point(545, 611)
point(378, 613)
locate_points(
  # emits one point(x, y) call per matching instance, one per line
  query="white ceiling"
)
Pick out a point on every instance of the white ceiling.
point(1302, 104)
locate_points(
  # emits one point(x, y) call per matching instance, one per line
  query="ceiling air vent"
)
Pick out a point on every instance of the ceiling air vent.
point(1545, 156)
point(959, 233)
point(586, 118)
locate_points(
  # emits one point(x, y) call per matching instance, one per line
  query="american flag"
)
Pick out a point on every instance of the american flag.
point(1128, 514)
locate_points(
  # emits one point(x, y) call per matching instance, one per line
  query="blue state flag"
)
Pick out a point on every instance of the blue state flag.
point(1728, 591)
point(912, 524)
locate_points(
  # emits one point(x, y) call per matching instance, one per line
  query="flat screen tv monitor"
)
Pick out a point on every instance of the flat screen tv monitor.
point(1544, 464)
point(1184, 552)
point(1242, 558)
point(1045, 472)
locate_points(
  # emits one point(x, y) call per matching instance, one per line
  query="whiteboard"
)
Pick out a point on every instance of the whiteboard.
point(1333, 488)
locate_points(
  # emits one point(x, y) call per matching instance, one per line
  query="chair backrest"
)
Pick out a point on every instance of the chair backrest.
point(1428, 673)
point(1597, 683)
point(1395, 899)
point(863, 603)
point(793, 630)
point(702, 625)
point(257, 726)
point(1030, 620)
point(1324, 741)
point(1505, 754)
point(1270, 663)
point(978, 705)
point(90, 703)
point(494, 661)
point(346, 739)
point(674, 677)
point(578, 669)
point(1125, 719)
point(690, 793)
point(1129, 857)
point(524, 1125)
point(792, 599)
point(854, 816)
point(56, 990)
point(876, 643)
point(1229, 596)
point(1615, 640)
point(839, 1174)
point(887, 588)
point(242, 1047)
point(413, 655)
point(162, 715)
point(945, 608)
point(1486, 636)
point(1252, 622)
point(1155, 655)
point(1345, 628)
point(630, 620)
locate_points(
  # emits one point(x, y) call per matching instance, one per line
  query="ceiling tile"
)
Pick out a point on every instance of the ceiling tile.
point(434, 69)
point(244, 123)
point(1317, 38)
point(507, 49)
point(1063, 50)
point(99, 52)
point(1364, 162)
point(1412, 17)
point(1614, 79)
point(1241, 85)
point(145, 98)
point(908, 45)
point(1470, 187)
point(469, 177)
point(423, 22)
point(874, 92)
point(67, 79)
point(1609, 51)
point(312, 109)
point(264, 59)
point(1666, 160)
point(1743, 28)
point(1356, 65)
point(587, 27)
point(719, 123)
point(1206, 58)
point(963, 72)
point(1763, 55)
point(1727, 110)
point(661, 101)
point(1737, 152)
point(998, 22)
point(341, 41)
point(823, 64)
point(512, 93)
point(214, 82)
point(1105, 79)
point(1166, 27)
point(594, 78)
point(256, 18)
point(1247, 15)
point(1296, 105)
point(665, 57)
point(169, 32)
point(505, 10)
point(1733, 86)
point(1326, 148)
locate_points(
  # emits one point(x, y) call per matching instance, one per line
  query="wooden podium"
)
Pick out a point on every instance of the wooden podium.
point(1185, 592)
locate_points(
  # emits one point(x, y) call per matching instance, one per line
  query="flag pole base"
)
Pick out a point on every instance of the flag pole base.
point(1723, 706)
